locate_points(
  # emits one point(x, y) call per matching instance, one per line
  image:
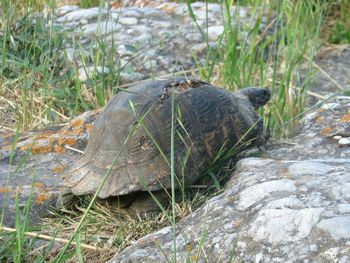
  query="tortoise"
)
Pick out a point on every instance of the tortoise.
point(208, 120)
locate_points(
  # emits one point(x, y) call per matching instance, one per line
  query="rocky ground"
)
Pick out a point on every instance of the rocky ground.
point(145, 42)
point(292, 205)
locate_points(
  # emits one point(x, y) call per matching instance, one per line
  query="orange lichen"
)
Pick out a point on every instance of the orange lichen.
point(39, 185)
point(75, 127)
point(88, 127)
point(5, 190)
point(193, 258)
point(77, 124)
point(188, 248)
point(58, 169)
point(43, 135)
point(59, 149)
point(319, 119)
point(345, 117)
point(42, 147)
point(41, 198)
point(66, 140)
point(325, 131)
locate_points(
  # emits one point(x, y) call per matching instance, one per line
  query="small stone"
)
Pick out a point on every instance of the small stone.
point(143, 38)
point(330, 106)
point(129, 78)
point(86, 73)
point(344, 208)
point(344, 259)
point(309, 168)
point(248, 163)
point(243, 12)
point(161, 24)
point(344, 142)
point(259, 257)
point(241, 245)
point(151, 65)
point(337, 137)
point(141, 28)
point(129, 21)
point(194, 37)
point(338, 227)
point(82, 14)
point(131, 13)
point(66, 9)
point(214, 32)
point(124, 51)
point(331, 254)
point(256, 193)
point(313, 248)
point(199, 48)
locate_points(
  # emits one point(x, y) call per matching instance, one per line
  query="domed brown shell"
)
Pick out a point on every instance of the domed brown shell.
point(208, 119)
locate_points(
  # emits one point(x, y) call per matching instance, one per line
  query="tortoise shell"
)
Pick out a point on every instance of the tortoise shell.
point(208, 120)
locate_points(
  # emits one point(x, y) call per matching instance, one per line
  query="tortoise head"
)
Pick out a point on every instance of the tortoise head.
point(257, 96)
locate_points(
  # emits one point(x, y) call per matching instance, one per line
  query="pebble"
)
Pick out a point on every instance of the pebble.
point(87, 73)
point(344, 141)
point(338, 227)
point(313, 248)
point(128, 21)
point(66, 9)
point(214, 32)
point(99, 29)
point(331, 254)
point(80, 14)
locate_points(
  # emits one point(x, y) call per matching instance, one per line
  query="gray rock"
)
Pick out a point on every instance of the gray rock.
point(129, 21)
point(66, 9)
point(214, 32)
point(86, 14)
point(38, 165)
point(100, 29)
point(258, 192)
point(344, 142)
point(309, 168)
point(338, 227)
point(283, 226)
point(87, 73)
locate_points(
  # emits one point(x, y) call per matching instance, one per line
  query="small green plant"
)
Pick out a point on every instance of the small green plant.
point(340, 33)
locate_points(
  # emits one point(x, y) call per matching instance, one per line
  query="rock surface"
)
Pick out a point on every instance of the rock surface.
point(155, 40)
point(33, 167)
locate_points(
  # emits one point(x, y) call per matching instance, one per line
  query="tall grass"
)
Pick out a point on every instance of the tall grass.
point(272, 55)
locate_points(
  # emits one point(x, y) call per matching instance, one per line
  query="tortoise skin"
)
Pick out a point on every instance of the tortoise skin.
point(209, 119)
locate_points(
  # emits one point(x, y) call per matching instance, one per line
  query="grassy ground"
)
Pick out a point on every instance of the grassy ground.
point(36, 92)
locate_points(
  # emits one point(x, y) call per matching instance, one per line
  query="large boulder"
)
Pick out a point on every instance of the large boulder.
point(32, 165)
